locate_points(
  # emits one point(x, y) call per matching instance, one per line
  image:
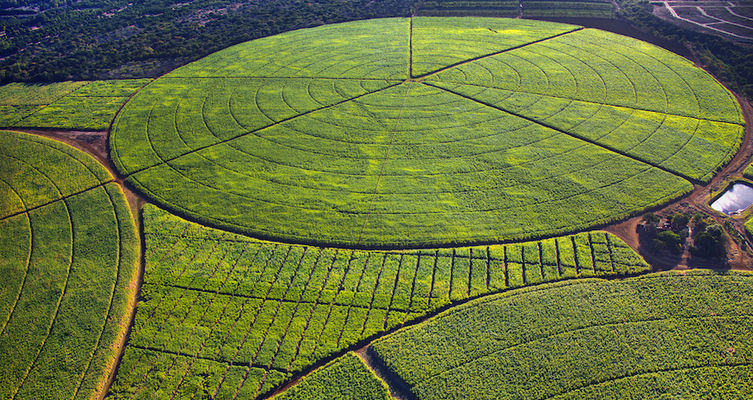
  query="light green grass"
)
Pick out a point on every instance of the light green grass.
point(682, 334)
point(70, 254)
point(280, 309)
point(329, 145)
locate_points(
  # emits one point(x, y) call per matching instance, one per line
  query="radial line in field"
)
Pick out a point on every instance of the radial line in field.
point(554, 96)
point(56, 200)
point(384, 163)
point(410, 48)
point(470, 60)
point(282, 121)
point(603, 146)
point(181, 354)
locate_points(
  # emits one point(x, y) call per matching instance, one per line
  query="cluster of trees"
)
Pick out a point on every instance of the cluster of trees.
point(54, 40)
point(708, 236)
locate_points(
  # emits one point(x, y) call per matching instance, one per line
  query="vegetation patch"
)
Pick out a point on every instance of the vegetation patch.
point(65, 105)
point(70, 254)
point(672, 334)
point(344, 378)
point(222, 314)
point(500, 130)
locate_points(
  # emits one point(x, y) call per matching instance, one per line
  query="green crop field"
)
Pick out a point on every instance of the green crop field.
point(69, 261)
point(426, 131)
point(414, 202)
point(666, 335)
point(345, 378)
point(65, 105)
point(222, 314)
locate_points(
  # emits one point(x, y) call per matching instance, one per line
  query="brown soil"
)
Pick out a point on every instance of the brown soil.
point(698, 201)
point(94, 143)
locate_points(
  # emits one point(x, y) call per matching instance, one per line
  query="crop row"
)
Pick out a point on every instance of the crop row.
point(514, 345)
point(65, 105)
point(69, 250)
point(260, 306)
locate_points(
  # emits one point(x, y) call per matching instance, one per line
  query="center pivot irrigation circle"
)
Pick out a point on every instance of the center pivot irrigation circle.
point(426, 131)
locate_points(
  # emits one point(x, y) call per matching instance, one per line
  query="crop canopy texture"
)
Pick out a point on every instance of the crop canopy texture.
point(426, 131)
point(68, 255)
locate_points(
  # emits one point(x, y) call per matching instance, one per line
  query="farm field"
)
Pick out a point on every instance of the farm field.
point(328, 144)
point(684, 335)
point(344, 378)
point(65, 105)
point(404, 207)
point(69, 254)
point(222, 314)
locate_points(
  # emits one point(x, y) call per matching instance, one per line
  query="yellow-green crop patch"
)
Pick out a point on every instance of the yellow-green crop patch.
point(65, 105)
point(426, 131)
point(69, 258)
point(671, 335)
point(223, 315)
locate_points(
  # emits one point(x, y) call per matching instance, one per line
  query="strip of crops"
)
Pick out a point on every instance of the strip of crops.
point(224, 314)
point(65, 105)
point(70, 253)
point(346, 377)
point(665, 333)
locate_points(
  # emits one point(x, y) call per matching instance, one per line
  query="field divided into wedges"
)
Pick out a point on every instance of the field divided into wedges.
point(661, 335)
point(426, 132)
point(69, 253)
point(224, 315)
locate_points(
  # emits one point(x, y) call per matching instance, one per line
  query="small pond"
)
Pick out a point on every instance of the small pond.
point(736, 199)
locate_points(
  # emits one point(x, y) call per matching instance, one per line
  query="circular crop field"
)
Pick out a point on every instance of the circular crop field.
point(426, 131)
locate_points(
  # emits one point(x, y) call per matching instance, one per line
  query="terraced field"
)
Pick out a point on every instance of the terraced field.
point(69, 261)
point(656, 336)
point(426, 131)
point(225, 316)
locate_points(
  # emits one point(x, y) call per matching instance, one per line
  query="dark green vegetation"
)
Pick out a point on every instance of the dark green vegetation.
point(102, 39)
point(65, 105)
point(344, 378)
point(69, 256)
point(508, 130)
point(524, 8)
point(222, 314)
point(672, 335)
